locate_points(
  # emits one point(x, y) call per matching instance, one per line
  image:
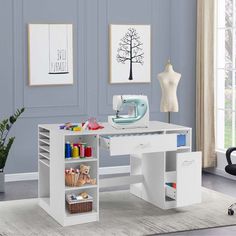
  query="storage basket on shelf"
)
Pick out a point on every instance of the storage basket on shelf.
point(71, 177)
point(78, 204)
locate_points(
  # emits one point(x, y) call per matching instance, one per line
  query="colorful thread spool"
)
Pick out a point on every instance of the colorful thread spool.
point(81, 149)
point(75, 152)
point(88, 151)
point(68, 150)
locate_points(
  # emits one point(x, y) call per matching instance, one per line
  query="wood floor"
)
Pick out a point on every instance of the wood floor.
point(28, 189)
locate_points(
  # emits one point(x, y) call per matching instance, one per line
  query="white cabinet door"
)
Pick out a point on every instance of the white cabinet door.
point(189, 178)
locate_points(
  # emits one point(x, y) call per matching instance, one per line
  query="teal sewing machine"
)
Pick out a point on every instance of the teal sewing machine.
point(138, 113)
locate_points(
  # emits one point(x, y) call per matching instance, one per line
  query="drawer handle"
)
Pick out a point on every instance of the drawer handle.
point(188, 162)
point(143, 145)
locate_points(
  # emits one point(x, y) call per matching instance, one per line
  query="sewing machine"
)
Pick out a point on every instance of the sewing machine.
point(138, 113)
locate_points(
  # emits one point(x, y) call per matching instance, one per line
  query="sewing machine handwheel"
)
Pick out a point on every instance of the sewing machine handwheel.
point(230, 212)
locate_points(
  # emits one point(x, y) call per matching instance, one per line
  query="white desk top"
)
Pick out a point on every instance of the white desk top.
point(154, 126)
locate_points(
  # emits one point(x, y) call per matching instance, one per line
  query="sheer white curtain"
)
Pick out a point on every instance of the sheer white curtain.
point(205, 110)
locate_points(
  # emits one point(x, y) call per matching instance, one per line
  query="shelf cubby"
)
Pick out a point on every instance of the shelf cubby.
point(44, 161)
point(90, 140)
point(44, 141)
point(44, 132)
point(45, 148)
point(187, 133)
point(93, 174)
point(44, 183)
point(44, 155)
point(92, 192)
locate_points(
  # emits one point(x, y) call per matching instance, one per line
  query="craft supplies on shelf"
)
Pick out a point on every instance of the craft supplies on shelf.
point(71, 127)
point(90, 124)
point(79, 203)
point(76, 150)
point(93, 124)
point(170, 190)
point(173, 185)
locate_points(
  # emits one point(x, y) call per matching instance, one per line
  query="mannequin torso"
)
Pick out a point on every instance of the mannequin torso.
point(169, 80)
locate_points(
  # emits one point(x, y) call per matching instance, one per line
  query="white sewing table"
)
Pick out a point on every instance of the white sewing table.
point(155, 160)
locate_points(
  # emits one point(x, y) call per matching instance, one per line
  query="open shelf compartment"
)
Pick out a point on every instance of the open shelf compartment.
point(93, 192)
point(44, 184)
point(88, 140)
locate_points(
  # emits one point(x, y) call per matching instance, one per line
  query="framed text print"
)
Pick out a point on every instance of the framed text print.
point(50, 54)
point(130, 58)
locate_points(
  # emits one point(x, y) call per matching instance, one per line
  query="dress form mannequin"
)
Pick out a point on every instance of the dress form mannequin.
point(169, 80)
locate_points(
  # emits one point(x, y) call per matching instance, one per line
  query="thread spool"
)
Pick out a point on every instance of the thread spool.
point(88, 151)
point(75, 152)
point(67, 150)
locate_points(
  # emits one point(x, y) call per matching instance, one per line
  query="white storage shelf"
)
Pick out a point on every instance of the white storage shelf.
point(92, 190)
point(79, 160)
point(86, 186)
point(43, 165)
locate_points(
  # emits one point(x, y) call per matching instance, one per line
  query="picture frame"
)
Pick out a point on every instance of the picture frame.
point(129, 62)
point(50, 54)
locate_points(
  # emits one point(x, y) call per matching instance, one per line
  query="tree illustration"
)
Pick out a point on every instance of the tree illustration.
point(130, 50)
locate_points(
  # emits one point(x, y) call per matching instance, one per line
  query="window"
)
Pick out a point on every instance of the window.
point(226, 74)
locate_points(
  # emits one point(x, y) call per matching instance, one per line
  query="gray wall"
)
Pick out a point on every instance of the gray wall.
point(173, 25)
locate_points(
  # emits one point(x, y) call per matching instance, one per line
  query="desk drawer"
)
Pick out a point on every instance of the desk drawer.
point(136, 144)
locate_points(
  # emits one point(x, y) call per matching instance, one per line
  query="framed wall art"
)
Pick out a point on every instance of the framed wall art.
point(50, 48)
point(130, 53)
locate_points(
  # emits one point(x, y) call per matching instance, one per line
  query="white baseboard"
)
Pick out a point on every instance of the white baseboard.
point(220, 172)
point(21, 176)
point(105, 171)
point(34, 175)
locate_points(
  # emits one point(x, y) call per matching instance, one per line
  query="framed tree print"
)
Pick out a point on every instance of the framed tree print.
point(50, 50)
point(130, 58)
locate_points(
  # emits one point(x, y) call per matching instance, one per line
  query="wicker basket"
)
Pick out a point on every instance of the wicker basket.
point(71, 179)
point(79, 206)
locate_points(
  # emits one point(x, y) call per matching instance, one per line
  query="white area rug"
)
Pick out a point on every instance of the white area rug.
point(120, 214)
